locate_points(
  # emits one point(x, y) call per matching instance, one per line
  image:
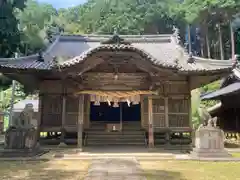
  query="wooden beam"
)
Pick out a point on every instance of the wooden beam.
point(80, 121)
point(150, 124)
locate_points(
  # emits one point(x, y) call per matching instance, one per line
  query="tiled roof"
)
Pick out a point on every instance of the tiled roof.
point(114, 47)
point(232, 88)
point(27, 62)
point(161, 50)
point(202, 64)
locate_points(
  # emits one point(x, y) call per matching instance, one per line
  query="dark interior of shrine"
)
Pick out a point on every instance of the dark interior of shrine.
point(228, 117)
point(106, 113)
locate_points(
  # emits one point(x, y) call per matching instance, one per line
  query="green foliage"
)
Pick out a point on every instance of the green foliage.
point(9, 32)
point(198, 106)
point(210, 88)
point(195, 104)
point(127, 16)
point(6, 96)
point(207, 9)
point(33, 22)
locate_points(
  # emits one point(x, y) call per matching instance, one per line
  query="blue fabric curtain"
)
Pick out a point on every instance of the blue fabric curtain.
point(104, 112)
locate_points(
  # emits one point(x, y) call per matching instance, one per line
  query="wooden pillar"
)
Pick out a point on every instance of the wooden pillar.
point(80, 121)
point(166, 118)
point(120, 114)
point(142, 110)
point(166, 112)
point(88, 112)
point(190, 112)
point(150, 123)
point(63, 120)
point(39, 117)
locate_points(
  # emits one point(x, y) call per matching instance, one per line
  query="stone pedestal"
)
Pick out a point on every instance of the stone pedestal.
point(20, 142)
point(20, 138)
point(209, 142)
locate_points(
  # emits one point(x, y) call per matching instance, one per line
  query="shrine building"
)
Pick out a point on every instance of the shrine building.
point(97, 90)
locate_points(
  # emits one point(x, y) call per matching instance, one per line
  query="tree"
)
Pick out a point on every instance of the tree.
point(212, 16)
point(9, 32)
point(127, 16)
point(10, 36)
point(34, 22)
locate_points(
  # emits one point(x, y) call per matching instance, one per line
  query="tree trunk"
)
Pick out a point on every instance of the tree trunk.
point(207, 44)
point(220, 41)
point(232, 39)
point(189, 40)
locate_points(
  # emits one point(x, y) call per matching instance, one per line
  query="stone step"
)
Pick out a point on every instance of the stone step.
point(115, 139)
point(116, 132)
point(114, 143)
point(103, 136)
point(123, 129)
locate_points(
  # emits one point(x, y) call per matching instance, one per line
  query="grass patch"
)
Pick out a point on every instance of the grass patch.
point(237, 155)
point(55, 169)
point(190, 170)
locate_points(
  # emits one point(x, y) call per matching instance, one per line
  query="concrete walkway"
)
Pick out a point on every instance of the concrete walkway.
point(115, 169)
point(231, 150)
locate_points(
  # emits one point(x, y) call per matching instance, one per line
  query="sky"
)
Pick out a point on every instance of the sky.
point(63, 3)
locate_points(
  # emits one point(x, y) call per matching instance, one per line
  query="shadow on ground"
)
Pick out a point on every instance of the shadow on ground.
point(163, 175)
point(43, 170)
point(126, 149)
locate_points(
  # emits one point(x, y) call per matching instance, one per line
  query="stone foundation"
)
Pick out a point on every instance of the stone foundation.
point(206, 153)
point(209, 142)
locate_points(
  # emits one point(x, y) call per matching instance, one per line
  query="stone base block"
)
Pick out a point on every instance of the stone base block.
point(207, 153)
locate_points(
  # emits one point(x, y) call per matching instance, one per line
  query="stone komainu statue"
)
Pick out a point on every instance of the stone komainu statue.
point(204, 116)
point(22, 135)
